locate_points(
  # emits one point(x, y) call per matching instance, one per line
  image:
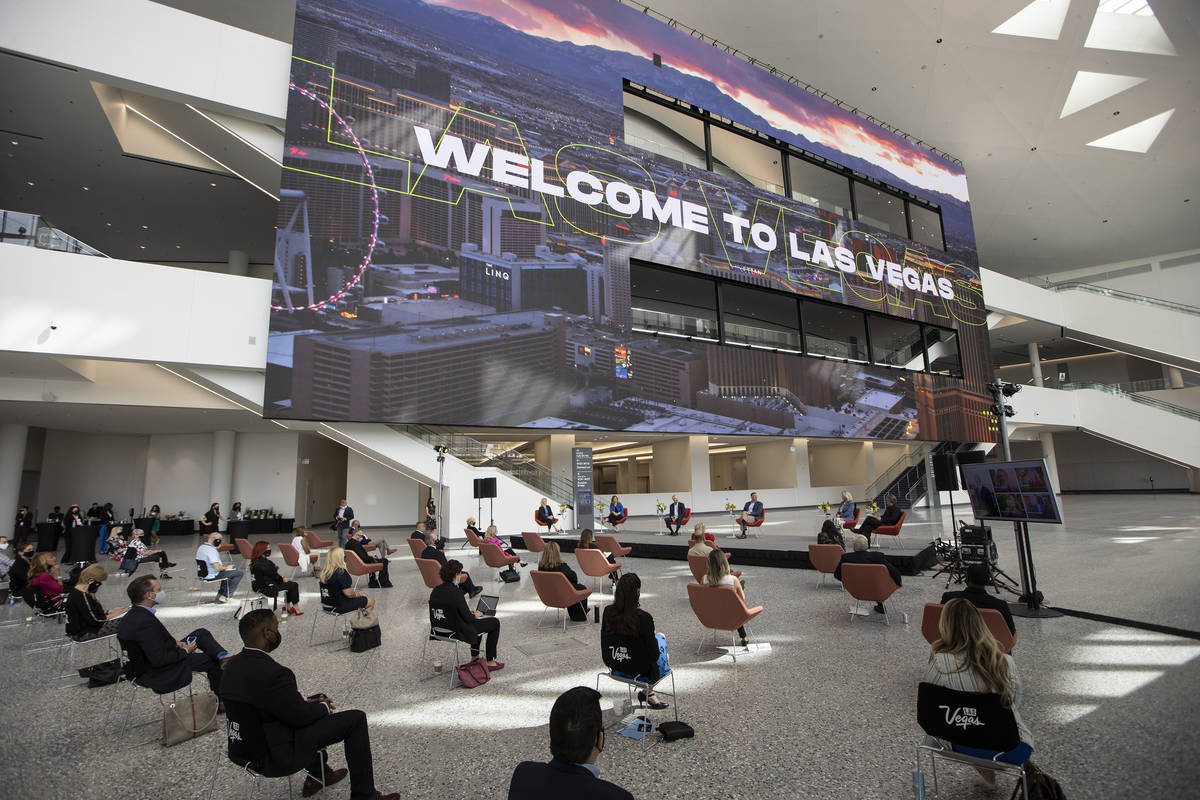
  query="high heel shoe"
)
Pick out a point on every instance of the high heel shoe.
point(295, 612)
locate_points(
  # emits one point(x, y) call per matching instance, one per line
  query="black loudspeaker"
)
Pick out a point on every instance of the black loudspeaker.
point(485, 487)
point(945, 476)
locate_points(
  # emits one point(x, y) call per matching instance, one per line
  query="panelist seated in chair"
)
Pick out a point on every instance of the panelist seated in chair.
point(167, 660)
point(448, 609)
point(576, 741)
point(354, 543)
point(277, 731)
point(86, 618)
point(890, 516)
point(968, 658)
point(545, 515)
point(551, 561)
point(978, 577)
point(266, 580)
point(616, 512)
point(676, 513)
point(861, 555)
point(628, 643)
point(587, 541)
point(337, 581)
point(845, 511)
point(432, 553)
point(752, 512)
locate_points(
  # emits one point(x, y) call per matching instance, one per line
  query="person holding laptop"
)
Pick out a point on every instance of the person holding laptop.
point(448, 609)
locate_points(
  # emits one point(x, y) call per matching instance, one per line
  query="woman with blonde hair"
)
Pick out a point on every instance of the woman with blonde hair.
point(968, 658)
point(336, 585)
point(720, 575)
point(492, 537)
point(551, 561)
point(44, 575)
point(86, 618)
point(845, 512)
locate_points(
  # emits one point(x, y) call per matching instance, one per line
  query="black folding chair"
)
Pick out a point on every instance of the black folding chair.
point(966, 719)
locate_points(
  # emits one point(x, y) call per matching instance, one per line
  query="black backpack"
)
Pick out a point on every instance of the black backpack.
point(1041, 785)
point(510, 575)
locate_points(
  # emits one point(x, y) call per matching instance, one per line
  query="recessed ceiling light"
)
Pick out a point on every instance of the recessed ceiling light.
point(145, 227)
point(108, 224)
point(178, 246)
point(29, 183)
point(1116, 113)
point(1033, 148)
point(141, 246)
point(1104, 220)
point(14, 142)
point(212, 184)
point(85, 188)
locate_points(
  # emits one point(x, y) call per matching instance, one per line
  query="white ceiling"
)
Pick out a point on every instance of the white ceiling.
point(930, 67)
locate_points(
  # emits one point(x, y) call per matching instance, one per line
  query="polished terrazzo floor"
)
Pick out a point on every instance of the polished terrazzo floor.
point(826, 711)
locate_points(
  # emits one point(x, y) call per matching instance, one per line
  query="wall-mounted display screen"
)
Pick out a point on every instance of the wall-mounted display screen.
point(471, 182)
point(1019, 491)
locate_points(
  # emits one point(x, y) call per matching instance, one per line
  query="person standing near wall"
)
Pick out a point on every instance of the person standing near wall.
point(341, 522)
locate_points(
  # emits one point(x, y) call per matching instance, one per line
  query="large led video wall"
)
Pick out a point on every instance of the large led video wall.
point(460, 211)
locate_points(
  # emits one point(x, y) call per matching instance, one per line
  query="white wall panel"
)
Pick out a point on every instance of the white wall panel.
point(84, 468)
point(178, 469)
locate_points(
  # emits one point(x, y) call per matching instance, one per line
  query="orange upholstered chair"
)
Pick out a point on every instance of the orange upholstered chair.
point(825, 558)
point(891, 530)
point(542, 523)
point(243, 548)
point(292, 556)
point(991, 617)
point(699, 566)
point(429, 571)
point(315, 541)
point(609, 544)
point(556, 591)
point(358, 569)
point(593, 563)
point(475, 541)
point(870, 583)
point(719, 608)
point(533, 542)
point(496, 558)
point(853, 523)
point(417, 546)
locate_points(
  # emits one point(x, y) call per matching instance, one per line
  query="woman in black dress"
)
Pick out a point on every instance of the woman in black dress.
point(265, 578)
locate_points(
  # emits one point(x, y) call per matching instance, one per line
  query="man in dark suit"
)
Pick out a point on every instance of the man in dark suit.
point(891, 515)
point(978, 577)
point(419, 533)
point(448, 609)
point(167, 661)
point(354, 543)
point(277, 731)
point(431, 552)
point(576, 741)
point(341, 522)
point(752, 509)
point(861, 555)
point(675, 512)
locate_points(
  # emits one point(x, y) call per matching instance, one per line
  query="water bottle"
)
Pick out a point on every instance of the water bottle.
point(918, 784)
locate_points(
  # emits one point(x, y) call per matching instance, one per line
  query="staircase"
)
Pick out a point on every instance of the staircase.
point(557, 488)
point(906, 479)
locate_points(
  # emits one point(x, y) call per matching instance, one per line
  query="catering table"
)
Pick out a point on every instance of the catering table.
point(167, 527)
point(245, 528)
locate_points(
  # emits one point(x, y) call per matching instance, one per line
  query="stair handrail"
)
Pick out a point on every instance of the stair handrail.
point(1116, 390)
point(900, 465)
point(1083, 286)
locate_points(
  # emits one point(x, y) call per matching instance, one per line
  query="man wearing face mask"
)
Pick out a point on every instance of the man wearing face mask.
point(277, 731)
point(576, 741)
point(167, 660)
point(86, 618)
point(230, 577)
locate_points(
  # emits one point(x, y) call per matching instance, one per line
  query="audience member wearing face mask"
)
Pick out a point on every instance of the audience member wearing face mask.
point(276, 730)
point(217, 569)
point(86, 618)
point(166, 661)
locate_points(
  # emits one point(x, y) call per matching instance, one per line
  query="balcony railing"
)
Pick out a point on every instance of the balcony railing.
point(32, 230)
point(558, 488)
point(1093, 288)
point(1116, 389)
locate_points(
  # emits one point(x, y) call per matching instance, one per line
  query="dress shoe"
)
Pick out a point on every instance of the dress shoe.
point(476, 591)
point(162, 576)
point(879, 608)
point(496, 666)
point(170, 563)
point(295, 612)
point(381, 796)
point(332, 776)
point(386, 585)
point(391, 550)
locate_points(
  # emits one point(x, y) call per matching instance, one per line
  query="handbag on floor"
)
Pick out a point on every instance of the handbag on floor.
point(674, 729)
point(364, 619)
point(105, 673)
point(189, 717)
point(1041, 785)
point(474, 673)
point(510, 575)
point(364, 631)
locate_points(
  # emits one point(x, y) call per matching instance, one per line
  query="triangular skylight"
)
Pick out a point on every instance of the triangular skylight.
point(1137, 138)
point(1129, 26)
point(1041, 19)
point(1090, 88)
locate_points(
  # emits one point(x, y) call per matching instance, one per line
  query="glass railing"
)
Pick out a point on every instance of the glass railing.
point(558, 488)
point(1116, 389)
point(33, 230)
point(1105, 291)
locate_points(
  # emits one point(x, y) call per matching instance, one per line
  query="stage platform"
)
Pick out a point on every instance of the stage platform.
point(775, 549)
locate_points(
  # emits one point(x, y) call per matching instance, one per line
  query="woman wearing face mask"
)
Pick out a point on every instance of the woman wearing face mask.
point(265, 578)
point(86, 618)
point(18, 573)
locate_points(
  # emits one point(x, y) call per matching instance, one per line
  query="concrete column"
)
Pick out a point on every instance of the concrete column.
point(868, 457)
point(12, 465)
point(220, 484)
point(1193, 476)
point(672, 466)
point(1172, 376)
point(803, 474)
point(239, 263)
point(770, 464)
point(701, 474)
point(1047, 440)
point(1035, 363)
